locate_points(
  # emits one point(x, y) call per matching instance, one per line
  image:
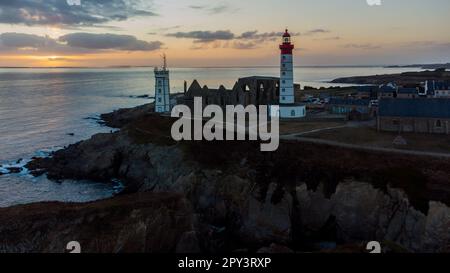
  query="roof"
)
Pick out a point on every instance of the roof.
point(367, 88)
point(438, 85)
point(386, 89)
point(419, 108)
point(413, 91)
point(441, 86)
point(355, 102)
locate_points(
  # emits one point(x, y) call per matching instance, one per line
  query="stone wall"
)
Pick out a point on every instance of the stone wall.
point(246, 91)
point(414, 125)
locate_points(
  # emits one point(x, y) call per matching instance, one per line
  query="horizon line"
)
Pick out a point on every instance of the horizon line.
point(251, 66)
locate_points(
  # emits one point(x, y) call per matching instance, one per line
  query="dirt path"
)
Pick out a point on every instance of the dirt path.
point(298, 137)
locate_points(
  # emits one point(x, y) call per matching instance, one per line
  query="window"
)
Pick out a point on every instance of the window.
point(438, 123)
point(159, 91)
point(284, 65)
point(284, 57)
point(293, 113)
point(284, 73)
point(283, 90)
point(395, 122)
point(284, 81)
point(283, 98)
point(159, 100)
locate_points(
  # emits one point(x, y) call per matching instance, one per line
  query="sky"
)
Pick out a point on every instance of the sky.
point(221, 33)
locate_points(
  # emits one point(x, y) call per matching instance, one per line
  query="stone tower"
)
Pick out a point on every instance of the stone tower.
point(162, 88)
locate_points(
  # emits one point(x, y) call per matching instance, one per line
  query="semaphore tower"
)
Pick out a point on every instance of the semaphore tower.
point(162, 88)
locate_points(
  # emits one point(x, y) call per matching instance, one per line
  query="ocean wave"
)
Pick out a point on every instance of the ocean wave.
point(19, 167)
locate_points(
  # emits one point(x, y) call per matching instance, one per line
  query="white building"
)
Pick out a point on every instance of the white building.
point(287, 108)
point(437, 89)
point(162, 89)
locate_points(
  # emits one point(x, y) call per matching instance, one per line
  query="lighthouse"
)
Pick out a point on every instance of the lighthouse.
point(288, 108)
point(162, 88)
point(287, 71)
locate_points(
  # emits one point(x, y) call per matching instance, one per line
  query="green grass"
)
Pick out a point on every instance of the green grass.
point(371, 137)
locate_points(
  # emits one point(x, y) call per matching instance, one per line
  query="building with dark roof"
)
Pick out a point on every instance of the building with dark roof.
point(354, 109)
point(367, 92)
point(421, 115)
point(407, 93)
point(437, 89)
point(387, 91)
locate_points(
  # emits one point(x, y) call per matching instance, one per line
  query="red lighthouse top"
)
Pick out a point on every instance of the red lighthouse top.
point(286, 47)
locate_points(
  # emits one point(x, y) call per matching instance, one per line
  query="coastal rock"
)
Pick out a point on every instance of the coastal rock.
point(244, 199)
point(188, 243)
point(231, 201)
point(437, 229)
point(315, 208)
point(122, 117)
point(275, 249)
point(143, 222)
point(15, 169)
point(357, 208)
point(363, 213)
point(268, 221)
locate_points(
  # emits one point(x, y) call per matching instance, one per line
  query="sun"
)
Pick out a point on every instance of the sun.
point(54, 58)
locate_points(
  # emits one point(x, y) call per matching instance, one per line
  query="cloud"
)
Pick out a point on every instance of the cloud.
point(59, 12)
point(266, 36)
point(222, 8)
point(362, 46)
point(204, 36)
point(227, 39)
point(316, 31)
point(74, 43)
point(108, 41)
point(335, 38)
point(169, 28)
point(241, 45)
point(22, 41)
point(58, 59)
point(428, 44)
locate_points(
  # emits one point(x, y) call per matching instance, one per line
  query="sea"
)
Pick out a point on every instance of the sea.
point(43, 110)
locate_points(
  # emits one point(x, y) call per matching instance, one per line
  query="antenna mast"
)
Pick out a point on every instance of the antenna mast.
point(165, 61)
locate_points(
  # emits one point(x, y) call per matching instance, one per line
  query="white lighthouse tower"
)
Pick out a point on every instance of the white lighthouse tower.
point(287, 71)
point(288, 108)
point(162, 88)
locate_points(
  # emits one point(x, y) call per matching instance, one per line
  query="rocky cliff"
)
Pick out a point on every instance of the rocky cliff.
point(142, 222)
point(301, 197)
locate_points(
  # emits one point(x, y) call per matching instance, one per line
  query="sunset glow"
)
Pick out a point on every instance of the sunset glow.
point(226, 33)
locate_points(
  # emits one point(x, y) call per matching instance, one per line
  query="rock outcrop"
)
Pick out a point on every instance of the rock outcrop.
point(142, 222)
point(361, 212)
point(245, 199)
